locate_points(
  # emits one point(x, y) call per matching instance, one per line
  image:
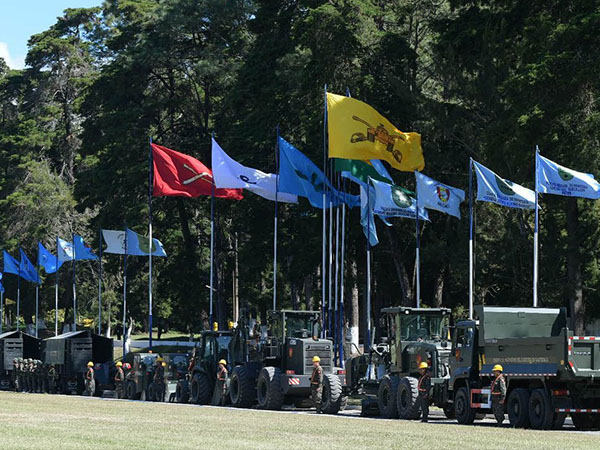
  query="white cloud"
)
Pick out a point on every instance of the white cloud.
point(17, 62)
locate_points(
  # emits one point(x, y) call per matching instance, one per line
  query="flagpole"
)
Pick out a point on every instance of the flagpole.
point(535, 234)
point(471, 238)
point(275, 225)
point(337, 268)
point(418, 250)
point(1, 310)
point(212, 251)
point(150, 186)
point(324, 233)
point(37, 293)
point(56, 294)
point(367, 347)
point(99, 283)
point(341, 315)
point(19, 295)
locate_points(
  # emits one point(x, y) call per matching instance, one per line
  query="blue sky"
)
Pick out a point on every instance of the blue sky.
point(19, 19)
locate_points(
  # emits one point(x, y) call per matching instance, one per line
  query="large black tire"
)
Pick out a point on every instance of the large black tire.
point(241, 388)
point(182, 392)
point(449, 411)
point(386, 397)
point(151, 393)
point(332, 394)
point(518, 408)
point(268, 388)
point(586, 421)
point(541, 413)
point(407, 399)
point(465, 415)
point(343, 403)
point(131, 391)
point(200, 392)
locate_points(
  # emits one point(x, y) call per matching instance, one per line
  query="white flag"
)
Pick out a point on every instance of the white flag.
point(393, 201)
point(65, 250)
point(555, 179)
point(115, 241)
point(230, 174)
point(441, 197)
point(492, 188)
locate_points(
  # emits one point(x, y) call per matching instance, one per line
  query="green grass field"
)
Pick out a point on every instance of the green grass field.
point(30, 421)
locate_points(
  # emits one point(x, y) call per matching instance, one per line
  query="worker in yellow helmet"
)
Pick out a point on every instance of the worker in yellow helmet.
point(119, 380)
point(90, 380)
point(498, 390)
point(220, 392)
point(159, 380)
point(316, 383)
point(423, 388)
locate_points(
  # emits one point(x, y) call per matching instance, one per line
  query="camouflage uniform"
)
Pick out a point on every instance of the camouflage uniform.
point(424, 386)
point(316, 386)
point(31, 375)
point(220, 388)
point(159, 381)
point(90, 382)
point(119, 382)
point(22, 376)
point(14, 374)
point(52, 377)
point(498, 389)
point(39, 376)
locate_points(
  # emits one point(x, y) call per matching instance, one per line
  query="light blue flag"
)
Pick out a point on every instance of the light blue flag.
point(47, 260)
point(556, 179)
point(82, 250)
point(11, 265)
point(27, 269)
point(138, 245)
point(300, 176)
point(393, 201)
point(432, 194)
point(366, 215)
point(492, 188)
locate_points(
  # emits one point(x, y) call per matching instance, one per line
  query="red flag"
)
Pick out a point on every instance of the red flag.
point(179, 175)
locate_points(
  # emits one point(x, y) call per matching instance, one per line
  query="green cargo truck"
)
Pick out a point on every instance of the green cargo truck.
point(549, 372)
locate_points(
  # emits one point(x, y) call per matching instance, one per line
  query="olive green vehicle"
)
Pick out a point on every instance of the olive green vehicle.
point(274, 367)
point(386, 377)
point(139, 380)
point(198, 384)
point(549, 371)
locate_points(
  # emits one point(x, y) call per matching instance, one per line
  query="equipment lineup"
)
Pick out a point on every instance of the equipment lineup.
point(523, 364)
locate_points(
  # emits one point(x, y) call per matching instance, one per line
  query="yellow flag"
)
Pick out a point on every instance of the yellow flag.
point(357, 131)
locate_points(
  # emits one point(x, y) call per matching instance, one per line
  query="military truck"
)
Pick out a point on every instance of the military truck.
point(386, 377)
point(70, 353)
point(274, 368)
point(16, 344)
point(549, 371)
point(199, 383)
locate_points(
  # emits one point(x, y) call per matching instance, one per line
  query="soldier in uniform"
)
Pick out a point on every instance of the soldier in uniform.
point(31, 375)
point(14, 374)
point(498, 390)
point(90, 380)
point(39, 376)
point(219, 395)
point(159, 379)
point(423, 387)
point(22, 377)
point(119, 380)
point(316, 383)
point(52, 378)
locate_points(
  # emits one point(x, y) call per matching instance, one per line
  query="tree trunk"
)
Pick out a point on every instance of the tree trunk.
point(438, 288)
point(308, 292)
point(405, 286)
point(575, 288)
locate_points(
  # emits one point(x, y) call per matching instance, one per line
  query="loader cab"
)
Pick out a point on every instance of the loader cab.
point(463, 355)
point(287, 324)
point(213, 346)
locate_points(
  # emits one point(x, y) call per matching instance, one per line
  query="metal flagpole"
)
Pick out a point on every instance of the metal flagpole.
point(150, 241)
point(417, 258)
point(37, 293)
point(18, 296)
point(56, 294)
point(323, 261)
point(1, 310)
point(212, 250)
point(125, 293)
point(368, 291)
point(275, 225)
point(100, 283)
point(330, 267)
point(337, 269)
point(535, 234)
point(471, 275)
point(74, 285)
point(341, 316)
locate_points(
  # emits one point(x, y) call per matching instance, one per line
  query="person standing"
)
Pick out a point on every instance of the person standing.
point(52, 377)
point(14, 374)
point(159, 379)
point(119, 379)
point(498, 390)
point(90, 380)
point(31, 375)
point(219, 395)
point(423, 387)
point(316, 383)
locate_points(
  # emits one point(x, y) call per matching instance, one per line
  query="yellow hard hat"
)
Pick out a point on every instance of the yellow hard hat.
point(231, 324)
point(90, 364)
point(316, 359)
point(215, 326)
point(223, 362)
point(119, 364)
point(497, 367)
point(423, 365)
point(164, 364)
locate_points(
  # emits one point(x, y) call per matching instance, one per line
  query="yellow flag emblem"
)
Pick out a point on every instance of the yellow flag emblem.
point(358, 131)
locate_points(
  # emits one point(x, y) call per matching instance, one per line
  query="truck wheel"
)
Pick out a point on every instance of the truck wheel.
point(386, 397)
point(462, 407)
point(182, 392)
point(541, 413)
point(200, 392)
point(407, 399)
point(268, 388)
point(586, 421)
point(332, 394)
point(449, 411)
point(518, 408)
point(241, 388)
point(132, 393)
point(343, 402)
point(151, 394)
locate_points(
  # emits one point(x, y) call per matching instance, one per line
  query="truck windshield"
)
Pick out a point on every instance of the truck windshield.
point(223, 342)
point(421, 327)
point(298, 326)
